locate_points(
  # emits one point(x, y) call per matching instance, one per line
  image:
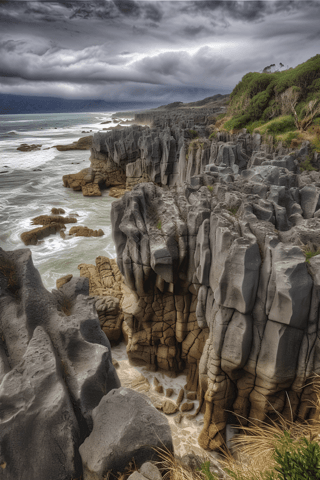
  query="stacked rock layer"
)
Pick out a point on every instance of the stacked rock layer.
point(213, 248)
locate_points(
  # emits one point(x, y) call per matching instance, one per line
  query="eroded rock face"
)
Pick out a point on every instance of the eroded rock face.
point(221, 282)
point(55, 366)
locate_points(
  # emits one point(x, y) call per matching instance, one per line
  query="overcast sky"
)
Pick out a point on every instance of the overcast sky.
point(148, 50)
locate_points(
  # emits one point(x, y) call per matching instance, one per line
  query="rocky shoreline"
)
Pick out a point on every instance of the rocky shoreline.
point(210, 242)
point(212, 277)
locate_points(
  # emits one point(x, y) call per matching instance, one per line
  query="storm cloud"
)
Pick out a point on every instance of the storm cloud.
point(149, 50)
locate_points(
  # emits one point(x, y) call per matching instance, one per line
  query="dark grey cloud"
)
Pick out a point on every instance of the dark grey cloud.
point(149, 49)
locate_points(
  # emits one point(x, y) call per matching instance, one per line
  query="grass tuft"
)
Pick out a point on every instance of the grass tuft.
point(310, 250)
point(233, 210)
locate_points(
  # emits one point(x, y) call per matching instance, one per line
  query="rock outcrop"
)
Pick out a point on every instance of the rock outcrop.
point(85, 232)
point(55, 366)
point(33, 236)
point(218, 268)
point(56, 372)
point(51, 225)
point(125, 426)
point(84, 143)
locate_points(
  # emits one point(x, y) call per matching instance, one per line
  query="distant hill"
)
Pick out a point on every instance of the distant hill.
point(206, 102)
point(15, 104)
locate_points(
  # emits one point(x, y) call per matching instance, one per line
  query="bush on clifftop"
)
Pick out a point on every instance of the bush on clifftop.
point(283, 104)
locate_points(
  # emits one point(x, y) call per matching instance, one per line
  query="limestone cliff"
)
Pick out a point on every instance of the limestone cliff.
point(217, 267)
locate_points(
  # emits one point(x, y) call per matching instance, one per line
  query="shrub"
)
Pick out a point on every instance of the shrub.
point(306, 166)
point(281, 125)
point(266, 95)
point(236, 123)
point(296, 461)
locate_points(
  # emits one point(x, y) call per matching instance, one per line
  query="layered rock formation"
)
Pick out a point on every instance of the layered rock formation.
point(51, 225)
point(126, 156)
point(55, 370)
point(217, 266)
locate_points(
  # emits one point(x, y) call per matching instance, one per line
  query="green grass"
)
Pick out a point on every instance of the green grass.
point(257, 97)
point(159, 225)
point(213, 135)
point(210, 188)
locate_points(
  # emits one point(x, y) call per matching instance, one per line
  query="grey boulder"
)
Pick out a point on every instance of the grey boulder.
point(125, 426)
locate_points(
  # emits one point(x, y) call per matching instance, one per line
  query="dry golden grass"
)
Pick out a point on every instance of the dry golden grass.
point(253, 449)
point(173, 469)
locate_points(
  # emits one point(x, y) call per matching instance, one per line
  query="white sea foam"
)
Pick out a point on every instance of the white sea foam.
point(28, 194)
point(27, 160)
point(17, 121)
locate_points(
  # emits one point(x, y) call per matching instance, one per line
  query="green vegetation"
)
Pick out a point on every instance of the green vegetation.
point(306, 166)
point(159, 225)
point(205, 470)
point(233, 210)
point(210, 188)
point(283, 104)
point(296, 461)
point(309, 254)
point(213, 135)
point(293, 459)
point(193, 133)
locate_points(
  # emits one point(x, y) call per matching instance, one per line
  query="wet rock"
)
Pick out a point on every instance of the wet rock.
point(84, 143)
point(49, 219)
point(91, 190)
point(140, 429)
point(57, 211)
point(24, 147)
point(63, 280)
point(33, 236)
point(85, 232)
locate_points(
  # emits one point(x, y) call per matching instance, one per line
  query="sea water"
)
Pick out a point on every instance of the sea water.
point(31, 185)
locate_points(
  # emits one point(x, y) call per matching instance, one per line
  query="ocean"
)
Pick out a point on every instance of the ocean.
point(31, 185)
